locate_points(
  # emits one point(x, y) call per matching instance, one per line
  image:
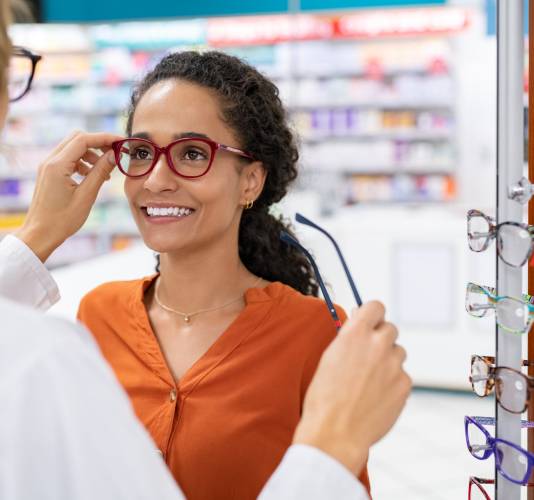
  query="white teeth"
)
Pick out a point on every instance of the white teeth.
point(166, 212)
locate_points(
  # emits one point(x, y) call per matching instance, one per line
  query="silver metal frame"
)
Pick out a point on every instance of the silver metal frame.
point(510, 50)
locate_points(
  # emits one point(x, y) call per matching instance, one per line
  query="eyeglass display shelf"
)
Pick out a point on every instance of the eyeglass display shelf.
point(21, 112)
point(398, 169)
point(397, 135)
point(12, 204)
point(373, 105)
point(394, 69)
point(382, 171)
point(392, 136)
point(277, 77)
point(358, 72)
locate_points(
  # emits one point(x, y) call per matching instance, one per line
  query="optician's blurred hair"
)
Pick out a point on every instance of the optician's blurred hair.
point(10, 11)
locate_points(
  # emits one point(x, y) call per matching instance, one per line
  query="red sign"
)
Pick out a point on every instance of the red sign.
point(403, 22)
point(268, 30)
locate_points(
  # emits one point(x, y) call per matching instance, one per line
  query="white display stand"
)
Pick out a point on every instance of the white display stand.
point(510, 47)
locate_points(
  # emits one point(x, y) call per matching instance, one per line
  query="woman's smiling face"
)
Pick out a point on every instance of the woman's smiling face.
point(202, 210)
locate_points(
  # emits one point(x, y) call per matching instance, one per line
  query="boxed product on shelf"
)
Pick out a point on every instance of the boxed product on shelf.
point(400, 188)
point(383, 155)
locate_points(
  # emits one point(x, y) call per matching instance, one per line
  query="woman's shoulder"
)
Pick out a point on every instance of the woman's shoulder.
point(114, 294)
point(296, 307)
point(316, 306)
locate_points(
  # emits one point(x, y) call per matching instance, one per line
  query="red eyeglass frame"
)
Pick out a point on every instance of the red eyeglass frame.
point(165, 150)
point(478, 482)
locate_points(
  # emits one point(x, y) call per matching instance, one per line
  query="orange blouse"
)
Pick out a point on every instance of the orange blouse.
point(224, 427)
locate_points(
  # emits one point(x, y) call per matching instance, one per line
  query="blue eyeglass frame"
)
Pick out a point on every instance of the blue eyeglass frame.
point(287, 238)
point(490, 448)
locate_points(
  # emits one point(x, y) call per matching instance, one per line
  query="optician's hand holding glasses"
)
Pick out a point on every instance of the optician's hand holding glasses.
point(60, 205)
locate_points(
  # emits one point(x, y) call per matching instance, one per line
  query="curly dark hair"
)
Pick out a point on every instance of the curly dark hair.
point(251, 106)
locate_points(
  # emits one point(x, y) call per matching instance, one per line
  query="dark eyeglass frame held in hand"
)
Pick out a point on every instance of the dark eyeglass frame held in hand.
point(21, 53)
point(286, 237)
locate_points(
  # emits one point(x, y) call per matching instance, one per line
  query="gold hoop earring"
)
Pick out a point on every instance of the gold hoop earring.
point(249, 204)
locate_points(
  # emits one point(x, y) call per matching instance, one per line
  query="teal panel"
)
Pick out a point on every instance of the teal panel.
point(120, 10)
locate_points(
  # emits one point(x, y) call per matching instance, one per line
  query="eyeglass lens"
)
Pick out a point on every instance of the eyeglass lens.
point(480, 372)
point(477, 492)
point(190, 158)
point(512, 314)
point(477, 440)
point(511, 389)
point(477, 302)
point(478, 231)
point(511, 461)
point(513, 244)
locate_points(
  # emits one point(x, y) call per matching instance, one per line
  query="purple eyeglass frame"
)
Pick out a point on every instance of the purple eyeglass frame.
point(215, 146)
point(490, 447)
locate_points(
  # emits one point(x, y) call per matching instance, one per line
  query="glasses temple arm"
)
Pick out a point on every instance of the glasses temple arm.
point(481, 307)
point(287, 238)
point(493, 291)
point(303, 220)
point(492, 481)
point(481, 447)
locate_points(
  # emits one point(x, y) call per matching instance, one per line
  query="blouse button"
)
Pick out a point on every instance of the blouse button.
point(172, 395)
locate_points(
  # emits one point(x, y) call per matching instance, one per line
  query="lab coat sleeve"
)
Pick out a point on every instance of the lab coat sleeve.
point(307, 472)
point(23, 277)
point(69, 432)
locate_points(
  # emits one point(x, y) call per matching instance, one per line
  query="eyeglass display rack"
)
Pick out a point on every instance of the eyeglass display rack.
point(530, 149)
point(510, 57)
point(375, 116)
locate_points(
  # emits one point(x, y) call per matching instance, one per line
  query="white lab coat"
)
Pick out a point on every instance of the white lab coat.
point(67, 429)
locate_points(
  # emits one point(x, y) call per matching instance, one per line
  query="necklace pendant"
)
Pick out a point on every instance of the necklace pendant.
point(187, 319)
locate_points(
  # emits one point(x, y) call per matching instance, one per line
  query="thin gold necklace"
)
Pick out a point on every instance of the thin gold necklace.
point(187, 316)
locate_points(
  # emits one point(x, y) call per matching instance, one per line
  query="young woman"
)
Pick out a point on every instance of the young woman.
point(217, 349)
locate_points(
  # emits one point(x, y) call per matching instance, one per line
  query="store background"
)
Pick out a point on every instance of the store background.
point(394, 103)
